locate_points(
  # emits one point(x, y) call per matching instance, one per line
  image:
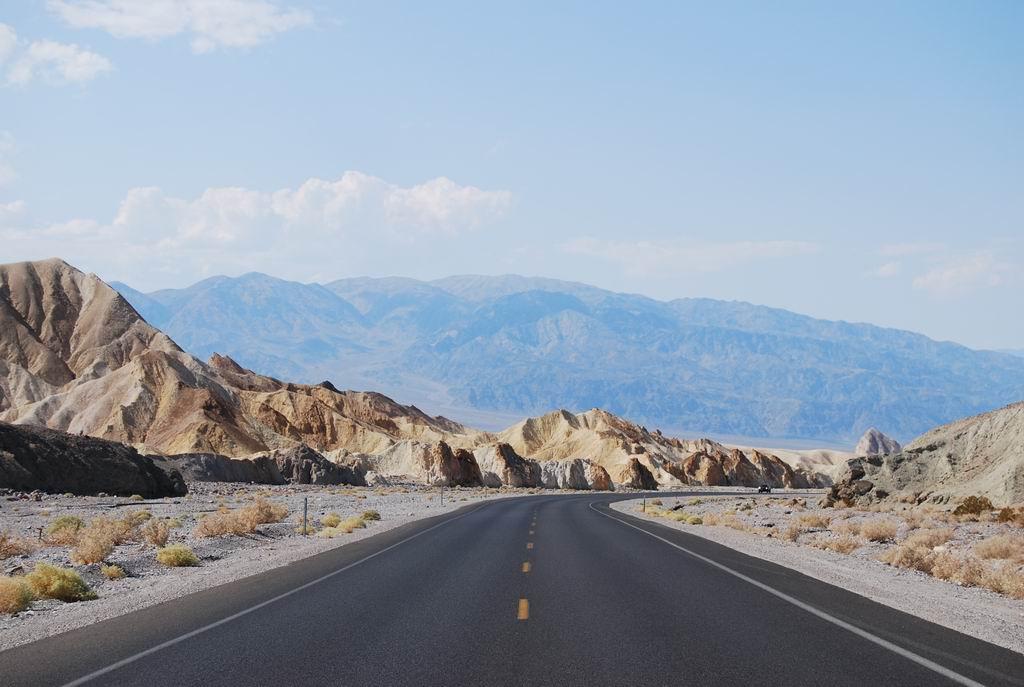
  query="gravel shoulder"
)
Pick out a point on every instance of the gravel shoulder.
point(223, 559)
point(973, 611)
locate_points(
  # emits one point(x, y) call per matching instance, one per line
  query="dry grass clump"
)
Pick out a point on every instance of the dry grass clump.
point(15, 595)
point(136, 497)
point(928, 539)
point(910, 557)
point(156, 532)
point(732, 522)
point(63, 531)
point(112, 572)
point(1002, 547)
point(330, 520)
point(812, 521)
point(97, 541)
point(973, 505)
point(846, 528)
point(844, 544)
point(655, 502)
point(176, 556)
point(1007, 579)
point(242, 521)
point(793, 532)
point(11, 545)
point(878, 530)
point(346, 526)
point(1011, 516)
point(50, 582)
point(372, 515)
point(968, 572)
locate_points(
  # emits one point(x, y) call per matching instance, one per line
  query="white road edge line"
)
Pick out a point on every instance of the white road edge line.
point(188, 635)
point(885, 644)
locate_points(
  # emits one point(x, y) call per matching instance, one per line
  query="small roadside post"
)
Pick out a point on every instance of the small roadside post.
point(305, 514)
point(442, 494)
point(645, 504)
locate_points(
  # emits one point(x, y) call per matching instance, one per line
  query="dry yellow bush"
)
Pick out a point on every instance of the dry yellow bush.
point(11, 545)
point(928, 539)
point(112, 572)
point(63, 531)
point(911, 557)
point(732, 522)
point(330, 520)
point(242, 521)
point(966, 571)
point(846, 528)
point(176, 556)
point(813, 521)
point(793, 532)
point(878, 530)
point(15, 595)
point(349, 524)
point(1007, 579)
point(93, 547)
point(50, 582)
point(370, 515)
point(1002, 547)
point(844, 544)
point(156, 532)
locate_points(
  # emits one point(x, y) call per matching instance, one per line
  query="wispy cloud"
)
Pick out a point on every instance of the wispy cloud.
point(980, 269)
point(642, 257)
point(53, 62)
point(211, 24)
point(314, 225)
point(889, 269)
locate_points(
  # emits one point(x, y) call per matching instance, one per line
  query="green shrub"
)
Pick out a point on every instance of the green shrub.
point(50, 582)
point(176, 556)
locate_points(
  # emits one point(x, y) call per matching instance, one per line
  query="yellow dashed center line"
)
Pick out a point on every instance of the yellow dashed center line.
point(531, 531)
point(524, 609)
point(529, 545)
point(526, 567)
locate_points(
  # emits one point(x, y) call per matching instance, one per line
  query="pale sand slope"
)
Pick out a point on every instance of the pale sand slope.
point(971, 610)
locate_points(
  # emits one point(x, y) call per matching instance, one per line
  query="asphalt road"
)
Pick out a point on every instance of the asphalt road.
point(545, 590)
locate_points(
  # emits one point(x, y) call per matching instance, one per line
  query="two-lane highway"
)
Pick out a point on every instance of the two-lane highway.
point(544, 590)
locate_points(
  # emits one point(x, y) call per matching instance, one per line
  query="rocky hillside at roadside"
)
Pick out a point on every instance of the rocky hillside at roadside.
point(34, 458)
point(981, 455)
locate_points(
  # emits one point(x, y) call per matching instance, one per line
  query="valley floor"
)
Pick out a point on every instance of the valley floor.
point(762, 527)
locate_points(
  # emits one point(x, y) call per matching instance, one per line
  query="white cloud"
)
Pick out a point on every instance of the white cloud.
point(642, 257)
point(11, 212)
point(7, 173)
point(8, 42)
point(211, 24)
point(56, 63)
point(316, 227)
point(976, 270)
point(889, 269)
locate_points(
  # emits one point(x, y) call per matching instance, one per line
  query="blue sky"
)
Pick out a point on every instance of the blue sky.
point(858, 161)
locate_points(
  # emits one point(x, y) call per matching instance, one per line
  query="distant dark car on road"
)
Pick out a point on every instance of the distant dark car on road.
point(764, 489)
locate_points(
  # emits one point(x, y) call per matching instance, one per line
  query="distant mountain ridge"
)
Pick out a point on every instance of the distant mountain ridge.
point(520, 345)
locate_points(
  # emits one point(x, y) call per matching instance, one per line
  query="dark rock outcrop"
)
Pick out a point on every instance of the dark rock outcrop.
point(38, 458)
point(636, 475)
point(212, 467)
point(302, 465)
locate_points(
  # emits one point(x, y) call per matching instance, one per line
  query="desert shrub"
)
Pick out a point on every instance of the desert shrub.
point(846, 528)
point(349, 524)
point(793, 532)
point(242, 521)
point(374, 515)
point(747, 506)
point(50, 582)
point(693, 520)
point(329, 532)
point(968, 572)
point(1001, 547)
point(732, 522)
point(1007, 579)
point(10, 545)
point(812, 521)
point(928, 539)
point(135, 518)
point(330, 520)
point(15, 595)
point(973, 505)
point(156, 532)
point(878, 530)
point(694, 502)
point(711, 519)
point(174, 523)
point(176, 556)
point(64, 530)
point(910, 557)
point(261, 512)
point(94, 545)
point(655, 502)
point(112, 572)
point(136, 497)
point(845, 544)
